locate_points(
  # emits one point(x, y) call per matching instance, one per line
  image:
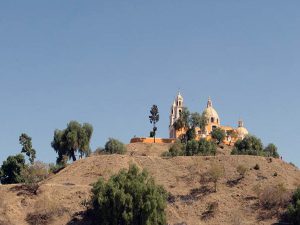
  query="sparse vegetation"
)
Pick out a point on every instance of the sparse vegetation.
point(273, 197)
point(242, 170)
point(130, 198)
point(114, 146)
point(216, 172)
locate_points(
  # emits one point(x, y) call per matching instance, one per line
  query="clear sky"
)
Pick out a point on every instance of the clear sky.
point(107, 62)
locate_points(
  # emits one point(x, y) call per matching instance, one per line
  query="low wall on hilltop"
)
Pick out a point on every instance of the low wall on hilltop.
point(151, 140)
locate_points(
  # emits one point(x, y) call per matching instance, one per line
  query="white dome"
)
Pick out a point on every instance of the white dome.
point(211, 112)
point(242, 131)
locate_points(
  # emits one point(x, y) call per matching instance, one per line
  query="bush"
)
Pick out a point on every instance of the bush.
point(242, 170)
point(35, 173)
point(273, 197)
point(129, 198)
point(177, 149)
point(216, 172)
point(250, 145)
point(293, 212)
point(191, 148)
point(206, 147)
point(114, 146)
point(55, 168)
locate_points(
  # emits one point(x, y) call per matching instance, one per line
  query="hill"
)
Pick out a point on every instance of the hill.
point(61, 198)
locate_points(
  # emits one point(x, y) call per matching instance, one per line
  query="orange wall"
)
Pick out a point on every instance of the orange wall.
point(151, 140)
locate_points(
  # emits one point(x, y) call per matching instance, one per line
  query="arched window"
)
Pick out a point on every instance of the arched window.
point(179, 111)
point(212, 119)
point(217, 120)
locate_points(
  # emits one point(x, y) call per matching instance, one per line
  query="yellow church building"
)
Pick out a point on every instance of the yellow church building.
point(213, 121)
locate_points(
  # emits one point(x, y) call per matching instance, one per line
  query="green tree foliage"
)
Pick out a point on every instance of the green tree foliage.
point(192, 147)
point(250, 145)
point(218, 134)
point(129, 198)
point(206, 147)
point(114, 146)
point(25, 141)
point(190, 134)
point(197, 120)
point(293, 212)
point(154, 118)
point(183, 120)
point(271, 151)
point(75, 138)
point(11, 169)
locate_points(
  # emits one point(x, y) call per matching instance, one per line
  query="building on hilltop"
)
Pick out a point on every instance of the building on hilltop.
point(213, 122)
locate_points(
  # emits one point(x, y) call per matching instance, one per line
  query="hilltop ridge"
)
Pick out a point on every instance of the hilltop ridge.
point(181, 176)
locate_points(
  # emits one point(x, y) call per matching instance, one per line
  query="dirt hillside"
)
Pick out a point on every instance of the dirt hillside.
point(64, 195)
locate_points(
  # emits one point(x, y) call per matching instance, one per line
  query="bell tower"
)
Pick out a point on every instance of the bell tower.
point(176, 110)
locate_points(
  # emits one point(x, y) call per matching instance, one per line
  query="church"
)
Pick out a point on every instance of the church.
point(213, 121)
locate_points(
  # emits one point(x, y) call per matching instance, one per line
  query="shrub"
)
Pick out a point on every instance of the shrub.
point(46, 209)
point(177, 149)
point(242, 170)
point(55, 168)
point(216, 172)
point(191, 148)
point(130, 198)
point(250, 145)
point(114, 146)
point(272, 197)
point(206, 147)
point(256, 167)
point(293, 212)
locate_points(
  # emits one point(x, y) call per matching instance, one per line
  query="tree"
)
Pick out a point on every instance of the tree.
point(154, 118)
point(114, 146)
point(25, 141)
point(10, 172)
point(250, 145)
point(216, 172)
point(218, 134)
point(129, 198)
point(271, 151)
point(197, 120)
point(183, 120)
point(75, 138)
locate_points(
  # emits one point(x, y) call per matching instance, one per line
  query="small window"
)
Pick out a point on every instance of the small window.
point(214, 127)
point(212, 119)
point(217, 120)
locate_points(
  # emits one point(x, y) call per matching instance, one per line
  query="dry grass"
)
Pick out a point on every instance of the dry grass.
point(185, 178)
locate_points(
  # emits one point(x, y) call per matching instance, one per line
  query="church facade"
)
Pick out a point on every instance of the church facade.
point(213, 121)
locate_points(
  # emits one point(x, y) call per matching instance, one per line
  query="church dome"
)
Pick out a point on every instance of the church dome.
point(211, 113)
point(241, 130)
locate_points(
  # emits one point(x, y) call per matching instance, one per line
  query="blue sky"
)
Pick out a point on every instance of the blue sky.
point(107, 62)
